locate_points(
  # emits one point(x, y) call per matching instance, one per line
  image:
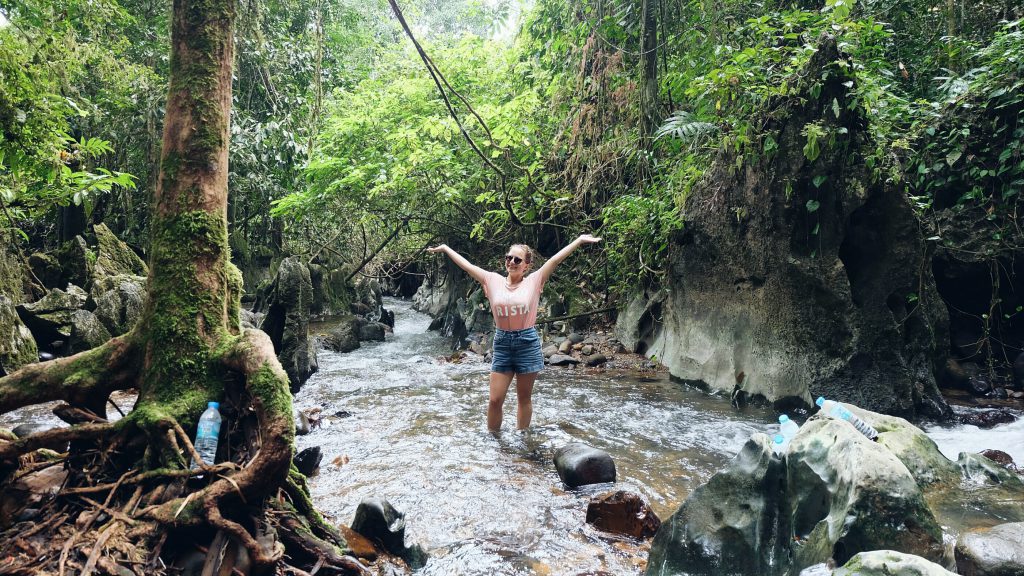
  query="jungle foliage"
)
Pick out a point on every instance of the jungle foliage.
point(341, 139)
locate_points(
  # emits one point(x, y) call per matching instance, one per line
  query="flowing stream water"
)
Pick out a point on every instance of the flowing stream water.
point(410, 428)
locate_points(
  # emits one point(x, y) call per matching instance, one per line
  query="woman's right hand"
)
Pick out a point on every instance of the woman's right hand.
point(438, 248)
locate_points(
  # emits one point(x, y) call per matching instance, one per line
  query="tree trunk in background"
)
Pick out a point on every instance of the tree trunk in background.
point(649, 113)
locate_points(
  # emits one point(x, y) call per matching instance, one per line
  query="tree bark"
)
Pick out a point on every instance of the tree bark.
point(649, 71)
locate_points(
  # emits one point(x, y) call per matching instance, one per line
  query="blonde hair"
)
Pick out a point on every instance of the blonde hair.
point(526, 249)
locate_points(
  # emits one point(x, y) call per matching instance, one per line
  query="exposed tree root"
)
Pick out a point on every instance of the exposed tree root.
point(130, 505)
point(83, 380)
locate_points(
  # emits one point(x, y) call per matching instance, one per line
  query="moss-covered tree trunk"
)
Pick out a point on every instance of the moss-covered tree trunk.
point(187, 349)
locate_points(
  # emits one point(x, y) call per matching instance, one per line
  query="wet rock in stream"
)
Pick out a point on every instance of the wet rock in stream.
point(378, 520)
point(579, 465)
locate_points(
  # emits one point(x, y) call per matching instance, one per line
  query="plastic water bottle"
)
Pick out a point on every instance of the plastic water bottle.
point(788, 429)
point(207, 434)
point(778, 444)
point(836, 410)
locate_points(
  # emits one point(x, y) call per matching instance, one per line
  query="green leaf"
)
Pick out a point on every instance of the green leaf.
point(812, 206)
point(818, 180)
point(953, 156)
point(835, 107)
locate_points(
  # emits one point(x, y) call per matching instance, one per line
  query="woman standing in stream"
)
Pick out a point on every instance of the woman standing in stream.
point(514, 298)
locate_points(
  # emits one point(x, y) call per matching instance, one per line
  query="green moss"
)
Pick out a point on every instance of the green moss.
point(186, 315)
point(271, 387)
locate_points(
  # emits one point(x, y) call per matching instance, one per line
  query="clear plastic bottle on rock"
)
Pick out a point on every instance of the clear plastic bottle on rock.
point(788, 429)
point(836, 410)
point(207, 434)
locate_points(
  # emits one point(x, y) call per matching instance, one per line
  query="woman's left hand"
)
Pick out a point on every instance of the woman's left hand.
point(588, 239)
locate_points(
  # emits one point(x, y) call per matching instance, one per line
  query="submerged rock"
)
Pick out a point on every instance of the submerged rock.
point(308, 461)
point(343, 337)
point(623, 513)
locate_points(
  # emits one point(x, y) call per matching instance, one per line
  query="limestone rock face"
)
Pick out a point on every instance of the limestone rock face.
point(287, 321)
point(115, 257)
point(803, 273)
point(17, 346)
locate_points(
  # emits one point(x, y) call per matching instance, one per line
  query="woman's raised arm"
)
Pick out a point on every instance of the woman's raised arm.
point(553, 262)
point(476, 272)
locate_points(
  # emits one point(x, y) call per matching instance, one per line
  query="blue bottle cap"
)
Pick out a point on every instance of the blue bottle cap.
point(820, 401)
point(783, 419)
point(779, 439)
point(213, 404)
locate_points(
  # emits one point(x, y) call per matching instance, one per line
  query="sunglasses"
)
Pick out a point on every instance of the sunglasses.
point(513, 259)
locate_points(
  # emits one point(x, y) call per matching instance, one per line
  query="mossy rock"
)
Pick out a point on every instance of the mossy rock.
point(17, 346)
point(87, 332)
point(115, 257)
point(119, 301)
point(12, 276)
point(76, 261)
point(49, 318)
point(46, 268)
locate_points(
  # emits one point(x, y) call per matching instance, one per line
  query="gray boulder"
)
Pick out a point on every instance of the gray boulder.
point(17, 346)
point(119, 301)
point(562, 360)
point(250, 319)
point(372, 332)
point(344, 336)
point(287, 321)
point(833, 495)
point(87, 332)
point(49, 318)
point(995, 552)
point(890, 563)
point(47, 269)
point(578, 465)
point(115, 257)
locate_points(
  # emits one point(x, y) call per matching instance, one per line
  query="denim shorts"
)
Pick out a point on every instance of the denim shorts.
point(517, 351)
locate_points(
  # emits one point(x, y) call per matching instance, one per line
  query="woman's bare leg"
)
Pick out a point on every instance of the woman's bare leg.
point(500, 382)
point(524, 394)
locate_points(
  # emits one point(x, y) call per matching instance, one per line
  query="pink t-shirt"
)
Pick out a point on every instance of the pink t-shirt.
point(514, 309)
